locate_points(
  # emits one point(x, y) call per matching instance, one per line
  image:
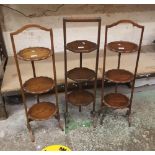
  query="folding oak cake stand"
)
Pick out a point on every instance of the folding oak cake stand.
point(117, 100)
point(81, 74)
point(38, 84)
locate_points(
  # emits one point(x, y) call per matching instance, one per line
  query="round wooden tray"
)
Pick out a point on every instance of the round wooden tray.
point(42, 111)
point(38, 85)
point(34, 53)
point(80, 98)
point(119, 76)
point(123, 46)
point(81, 46)
point(116, 100)
point(81, 74)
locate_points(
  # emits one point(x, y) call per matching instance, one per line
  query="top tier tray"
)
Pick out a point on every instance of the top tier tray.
point(81, 46)
point(34, 54)
point(122, 46)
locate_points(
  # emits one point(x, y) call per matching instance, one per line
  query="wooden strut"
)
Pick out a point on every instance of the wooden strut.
point(34, 75)
point(118, 67)
point(80, 85)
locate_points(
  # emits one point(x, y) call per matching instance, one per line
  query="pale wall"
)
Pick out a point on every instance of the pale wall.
point(38, 14)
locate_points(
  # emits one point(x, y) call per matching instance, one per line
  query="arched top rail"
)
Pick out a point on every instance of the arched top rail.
point(125, 22)
point(73, 19)
point(29, 26)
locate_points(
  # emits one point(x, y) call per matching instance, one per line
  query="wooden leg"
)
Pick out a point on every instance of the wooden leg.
point(4, 105)
point(79, 108)
point(37, 98)
point(95, 119)
point(127, 113)
point(129, 117)
point(95, 87)
point(103, 112)
point(59, 122)
point(66, 116)
point(116, 87)
point(30, 131)
point(129, 120)
point(100, 111)
point(93, 113)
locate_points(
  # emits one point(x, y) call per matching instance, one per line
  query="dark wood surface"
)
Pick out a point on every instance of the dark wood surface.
point(42, 111)
point(119, 76)
point(116, 100)
point(119, 100)
point(80, 74)
point(38, 85)
point(123, 46)
point(34, 53)
point(80, 97)
point(81, 46)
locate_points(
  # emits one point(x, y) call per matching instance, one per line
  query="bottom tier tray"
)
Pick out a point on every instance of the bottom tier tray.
point(42, 111)
point(80, 98)
point(116, 100)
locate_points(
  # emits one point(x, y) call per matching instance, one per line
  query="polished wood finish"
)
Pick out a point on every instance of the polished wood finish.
point(123, 46)
point(125, 76)
point(42, 111)
point(28, 27)
point(38, 85)
point(81, 19)
point(116, 100)
point(34, 53)
point(80, 74)
point(81, 46)
point(80, 98)
point(119, 76)
point(125, 21)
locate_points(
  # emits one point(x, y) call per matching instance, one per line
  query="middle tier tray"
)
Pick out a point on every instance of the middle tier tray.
point(80, 97)
point(38, 85)
point(80, 74)
point(119, 76)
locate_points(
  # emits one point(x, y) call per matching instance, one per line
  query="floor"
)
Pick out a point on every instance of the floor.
point(79, 133)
